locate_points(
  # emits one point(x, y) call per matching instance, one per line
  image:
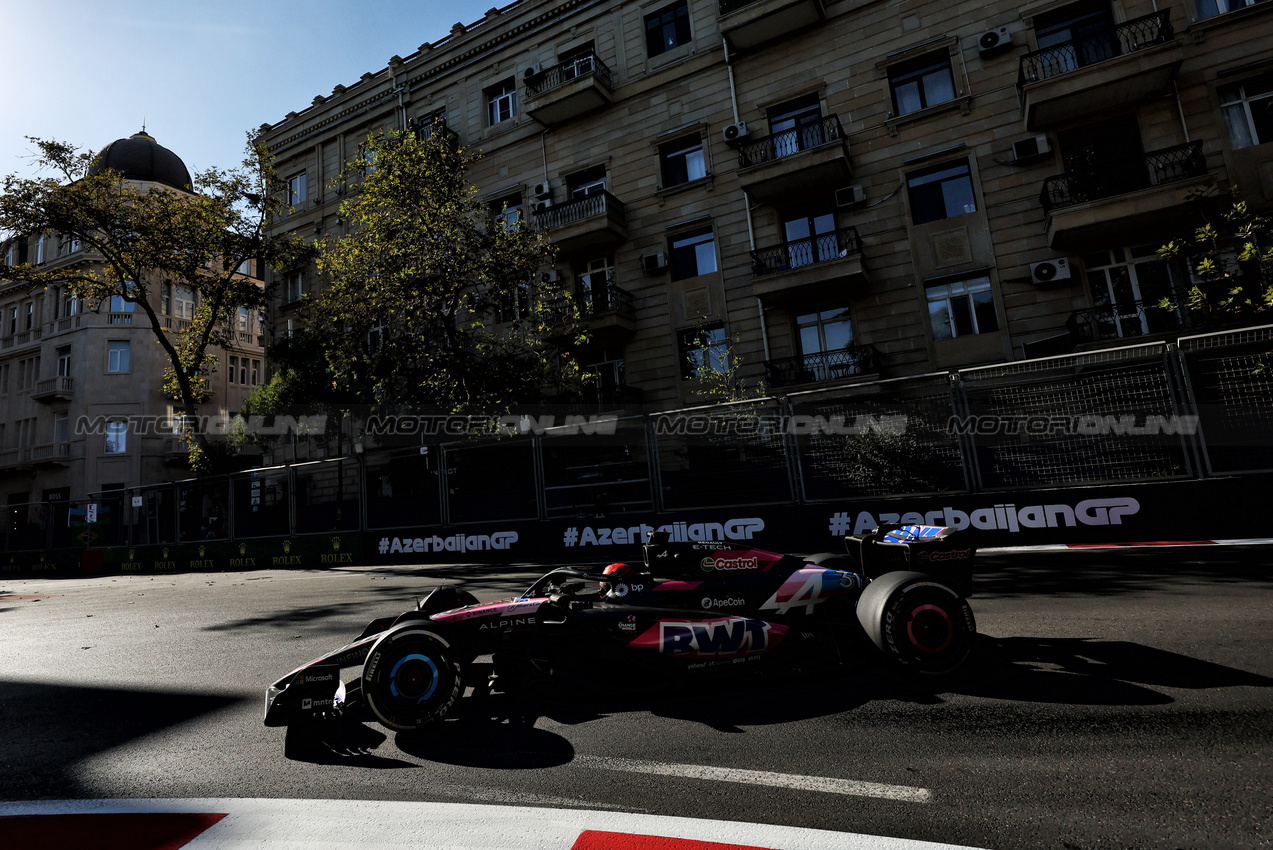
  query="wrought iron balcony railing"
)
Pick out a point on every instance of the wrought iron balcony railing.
point(805, 252)
point(1124, 319)
point(825, 130)
point(1105, 178)
point(604, 299)
point(1069, 56)
point(425, 126)
point(823, 366)
point(602, 203)
point(567, 72)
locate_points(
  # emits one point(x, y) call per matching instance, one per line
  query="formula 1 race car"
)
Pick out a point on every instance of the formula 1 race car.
point(691, 610)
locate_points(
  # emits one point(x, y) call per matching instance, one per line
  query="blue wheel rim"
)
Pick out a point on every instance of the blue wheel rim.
point(393, 678)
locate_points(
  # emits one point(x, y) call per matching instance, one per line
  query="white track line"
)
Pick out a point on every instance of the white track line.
point(253, 824)
point(826, 785)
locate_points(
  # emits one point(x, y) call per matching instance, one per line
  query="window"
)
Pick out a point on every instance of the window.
point(30, 315)
point(803, 243)
point(1248, 111)
point(667, 29)
point(1211, 8)
point(4, 378)
point(297, 189)
point(682, 160)
point(120, 304)
point(507, 211)
point(1083, 34)
point(116, 438)
point(1128, 284)
point(294, 286)
point(64, 362)
point(13, 320)
point(69, 245)
point(924, 82)
point(796, 125)
point(243, 371)
point(961, 307)
point(591, 181)
point(234, 370)
point(245, 268)
point(595, 277)
point(165, 298)
point(61, 427)
point(702, 350)
point(513, 305)
point(256, 372)
point(243, 318)
point(501, 101)
point(824, 330)
point(578, 61)
point(117, 356)
point(693, 254)
point(39, 250)
point(941, 192)
point(183, 298)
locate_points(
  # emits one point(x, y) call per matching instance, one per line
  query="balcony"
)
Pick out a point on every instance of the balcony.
point(606, 313)
point(819, 265)
point(1123, 66)
point(751, 23)
point(823, 366)
point(569, 89)
point(1121, 199)
point(54, 389)
point(22, 339)
point(797, 161)
point(1123, 320)
point(49, 454)
point(587, 223)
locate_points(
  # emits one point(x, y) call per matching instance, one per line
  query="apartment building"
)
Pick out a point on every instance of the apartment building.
point(838, 190)
point(82, 407)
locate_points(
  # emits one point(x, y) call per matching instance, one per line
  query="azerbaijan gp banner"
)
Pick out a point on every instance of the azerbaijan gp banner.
point(1170, 511)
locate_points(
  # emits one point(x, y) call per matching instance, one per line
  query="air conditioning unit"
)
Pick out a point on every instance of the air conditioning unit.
point(994, 41)
point(735, 133)
point(849, 196)
point(543, 205)
point(1050, 271)
point(653, 263)
point(1024, 149)
point(532, 71)
point(543, 190)
point(550, 276)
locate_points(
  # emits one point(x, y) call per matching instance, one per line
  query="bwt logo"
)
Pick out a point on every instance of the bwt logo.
point(727, 636)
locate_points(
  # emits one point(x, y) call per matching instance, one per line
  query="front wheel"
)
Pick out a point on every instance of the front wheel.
point(918, 623)
point(411, 678)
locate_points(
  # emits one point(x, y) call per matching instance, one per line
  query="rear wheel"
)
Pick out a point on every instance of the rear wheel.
point(411, 678)
point(920, 625)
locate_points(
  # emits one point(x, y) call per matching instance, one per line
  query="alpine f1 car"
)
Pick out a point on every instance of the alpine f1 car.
point(690, 610)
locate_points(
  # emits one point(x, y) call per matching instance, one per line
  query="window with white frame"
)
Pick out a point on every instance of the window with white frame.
point(921, 83)
point(682, 160)
point(595, 277)
point(1128, 288)
point(117, 355)
point(61, 426)
point(69, 245)
point(1248, 111)
point(590, 181)
point(243, 318)
point(507, 211)
point(294, 286)
point(501, 101)
point(961, 307)
point(39, 250)
point(234, 370)
point(297, 189)
point(693, 254)
point(64, 362)
point(1211, 8)
point(116, 437)
point(703, 350)
point(256, 372)
point(183, 302)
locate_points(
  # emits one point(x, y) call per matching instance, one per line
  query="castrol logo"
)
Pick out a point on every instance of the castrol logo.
point(952, 555)
point(723, 563)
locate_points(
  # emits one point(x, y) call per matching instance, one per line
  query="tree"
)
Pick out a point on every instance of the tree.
point(1232, 263)
point(137, 237)
point(432, 298)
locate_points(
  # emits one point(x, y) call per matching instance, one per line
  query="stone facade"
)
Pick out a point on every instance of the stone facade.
point(66, 368)
point(903, 170)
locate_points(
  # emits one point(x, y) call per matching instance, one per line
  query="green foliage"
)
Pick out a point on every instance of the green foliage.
point(429, 299)
point(886, 458)
point(1232, 260)
point(720, 377)
point(137, 237)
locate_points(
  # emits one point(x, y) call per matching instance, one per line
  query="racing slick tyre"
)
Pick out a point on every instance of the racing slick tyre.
point(411, 678)
point(920, 625)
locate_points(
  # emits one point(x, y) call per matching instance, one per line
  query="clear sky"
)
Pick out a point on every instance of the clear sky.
point(200, 73)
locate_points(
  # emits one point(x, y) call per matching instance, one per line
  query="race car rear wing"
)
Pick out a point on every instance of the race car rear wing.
point(933, 549)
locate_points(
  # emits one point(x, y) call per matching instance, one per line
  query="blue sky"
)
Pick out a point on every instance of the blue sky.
point(200, 73)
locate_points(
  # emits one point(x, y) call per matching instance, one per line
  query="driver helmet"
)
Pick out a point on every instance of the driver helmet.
point(617, 577)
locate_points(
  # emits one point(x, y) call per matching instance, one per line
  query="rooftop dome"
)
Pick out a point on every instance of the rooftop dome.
point(140, 157)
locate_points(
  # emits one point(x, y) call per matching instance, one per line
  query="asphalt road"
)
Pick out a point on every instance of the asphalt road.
point(1119, 699)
